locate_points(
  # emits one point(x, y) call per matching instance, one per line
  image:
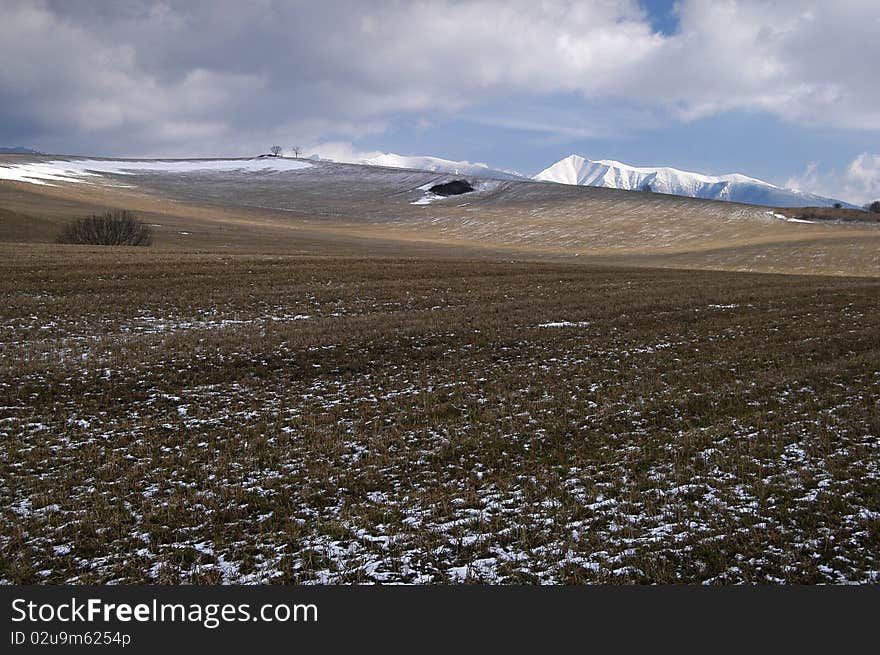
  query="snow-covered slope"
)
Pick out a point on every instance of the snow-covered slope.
point(438, 165)
point(575, 169)
point(78, 170)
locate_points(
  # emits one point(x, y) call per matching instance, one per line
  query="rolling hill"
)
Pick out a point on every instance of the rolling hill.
point(288, 205)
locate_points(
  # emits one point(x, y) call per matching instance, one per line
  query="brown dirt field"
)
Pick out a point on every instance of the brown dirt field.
point(172, 417)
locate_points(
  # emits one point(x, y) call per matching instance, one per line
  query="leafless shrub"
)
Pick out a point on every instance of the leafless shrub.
point(117, 228)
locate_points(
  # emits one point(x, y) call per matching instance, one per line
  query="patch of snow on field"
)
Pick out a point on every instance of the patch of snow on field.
point(156, 325)
point(556, 324)
point(788, 219)
point(79, 169)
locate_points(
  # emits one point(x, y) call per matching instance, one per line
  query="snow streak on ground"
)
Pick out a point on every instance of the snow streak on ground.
point(82, 170)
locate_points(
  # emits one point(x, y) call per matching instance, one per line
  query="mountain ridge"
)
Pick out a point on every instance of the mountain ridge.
point(612, 174)
point(734, 187)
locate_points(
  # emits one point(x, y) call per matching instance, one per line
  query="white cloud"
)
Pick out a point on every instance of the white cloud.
point(561, 131)
point(271, 70)
point(341, 151)
point(863, 177)
point(858, 184)
point(806, 62)
point(183, 77)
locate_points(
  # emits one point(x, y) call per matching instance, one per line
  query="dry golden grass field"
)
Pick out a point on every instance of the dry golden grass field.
point(339, 209)
point(346, 387)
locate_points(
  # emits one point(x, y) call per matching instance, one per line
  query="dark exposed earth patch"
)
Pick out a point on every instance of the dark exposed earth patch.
point(454, 188)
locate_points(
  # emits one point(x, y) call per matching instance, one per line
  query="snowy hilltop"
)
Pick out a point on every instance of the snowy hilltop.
point(577, 170)
point(438, 165)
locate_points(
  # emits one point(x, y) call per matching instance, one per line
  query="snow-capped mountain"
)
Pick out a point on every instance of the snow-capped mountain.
point(439, 165)
point(575, 169)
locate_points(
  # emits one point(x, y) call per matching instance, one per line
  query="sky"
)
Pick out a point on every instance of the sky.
point(784, 90)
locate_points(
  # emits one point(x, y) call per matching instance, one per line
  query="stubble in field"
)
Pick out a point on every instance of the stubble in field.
point(204, 418)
